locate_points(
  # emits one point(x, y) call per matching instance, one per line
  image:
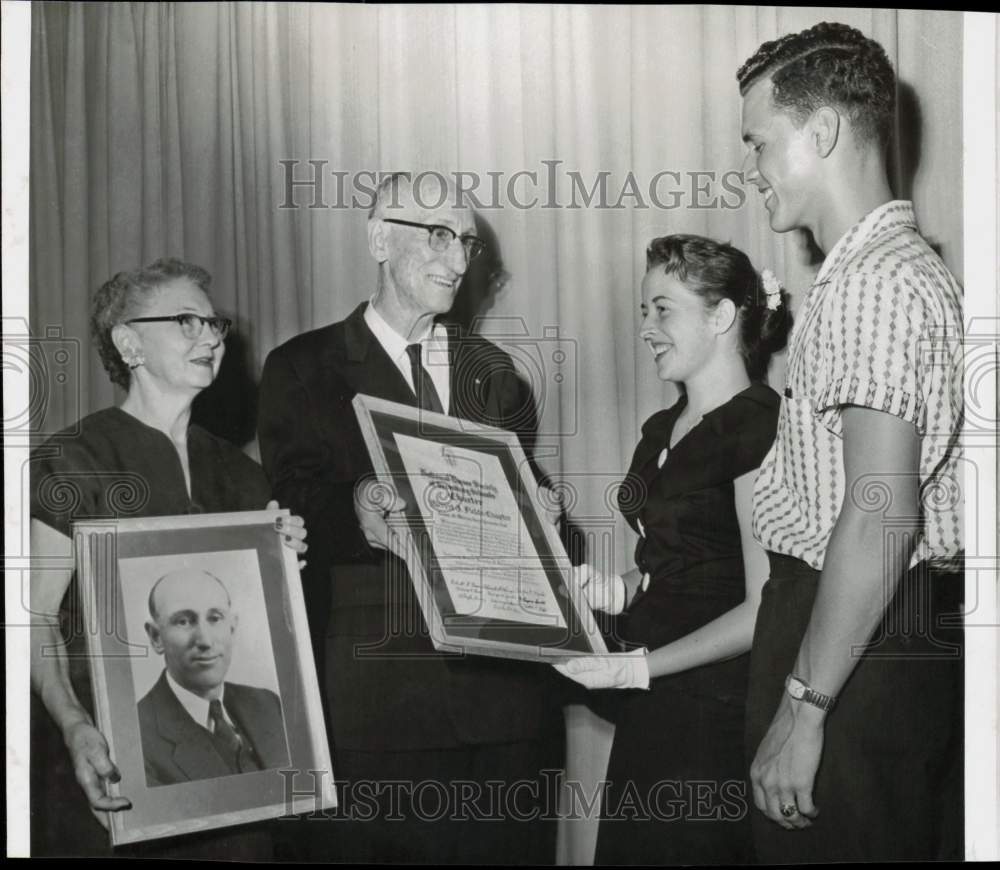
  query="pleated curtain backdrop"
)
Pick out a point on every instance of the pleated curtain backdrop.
point(160, 129)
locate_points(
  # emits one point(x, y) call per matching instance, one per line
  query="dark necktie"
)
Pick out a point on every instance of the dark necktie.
point(223, 730)
point(423, 386)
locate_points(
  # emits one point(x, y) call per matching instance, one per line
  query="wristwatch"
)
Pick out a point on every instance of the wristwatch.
point(801, 691)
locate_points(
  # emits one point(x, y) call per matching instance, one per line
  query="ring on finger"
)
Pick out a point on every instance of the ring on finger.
point(789, 810)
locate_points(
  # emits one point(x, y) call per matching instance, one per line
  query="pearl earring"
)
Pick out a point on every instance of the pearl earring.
point(133, 359)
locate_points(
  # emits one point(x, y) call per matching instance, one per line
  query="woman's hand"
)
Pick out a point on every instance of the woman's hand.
point(88, 750)
point(616, 671)
point(94, 769)
point(605, 592)
point(293, 531)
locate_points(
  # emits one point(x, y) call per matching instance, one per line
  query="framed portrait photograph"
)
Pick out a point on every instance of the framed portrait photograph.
point(204, 680)
point(490, 571)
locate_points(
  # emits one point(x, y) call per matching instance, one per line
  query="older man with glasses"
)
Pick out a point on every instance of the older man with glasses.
point(438, 757)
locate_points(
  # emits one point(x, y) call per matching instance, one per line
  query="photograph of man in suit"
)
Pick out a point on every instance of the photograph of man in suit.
point(193, 724)
point(401, 714)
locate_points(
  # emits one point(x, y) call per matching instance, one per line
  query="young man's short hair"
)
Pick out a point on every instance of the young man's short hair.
point(829, 64)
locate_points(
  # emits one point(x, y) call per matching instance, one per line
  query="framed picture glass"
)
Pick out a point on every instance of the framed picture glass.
point(204, 681)
point(489, 569)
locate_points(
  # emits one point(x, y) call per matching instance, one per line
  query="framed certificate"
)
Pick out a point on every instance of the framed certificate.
point(489, 570)
point(204, 681)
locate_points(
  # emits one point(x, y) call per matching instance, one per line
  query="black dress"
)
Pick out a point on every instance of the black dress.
point(111, 465)
point(677, 779)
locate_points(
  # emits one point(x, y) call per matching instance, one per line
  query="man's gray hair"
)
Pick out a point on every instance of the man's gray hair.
point(387, 193)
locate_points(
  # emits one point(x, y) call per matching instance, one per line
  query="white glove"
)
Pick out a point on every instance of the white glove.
point(628, 670)
point(604, 592)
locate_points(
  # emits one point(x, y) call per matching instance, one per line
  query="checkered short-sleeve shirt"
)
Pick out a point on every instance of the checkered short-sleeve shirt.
point(880, 328)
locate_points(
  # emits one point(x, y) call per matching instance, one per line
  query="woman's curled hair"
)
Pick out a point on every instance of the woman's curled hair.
point(716, 271)
point(121, 298)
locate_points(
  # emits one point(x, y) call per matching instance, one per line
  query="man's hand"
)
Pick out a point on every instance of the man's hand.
point(293, 531)
point(605, 592)
point(379, 510)
point(94, 769)
point(616, 671)
point(551, 503)
point(784, 769)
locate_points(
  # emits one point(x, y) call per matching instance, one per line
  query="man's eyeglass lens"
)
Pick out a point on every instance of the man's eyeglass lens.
point(441, 237)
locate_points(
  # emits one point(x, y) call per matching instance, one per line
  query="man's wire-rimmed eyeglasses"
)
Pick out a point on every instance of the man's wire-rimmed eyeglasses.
point(440, 237)
point(192, 325)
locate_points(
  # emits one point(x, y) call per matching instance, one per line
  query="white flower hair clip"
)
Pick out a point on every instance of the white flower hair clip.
point(772, 289)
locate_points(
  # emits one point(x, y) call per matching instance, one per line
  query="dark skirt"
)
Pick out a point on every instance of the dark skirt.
point(677, 789)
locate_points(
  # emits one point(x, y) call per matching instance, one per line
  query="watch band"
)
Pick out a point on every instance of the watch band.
point(800, 690)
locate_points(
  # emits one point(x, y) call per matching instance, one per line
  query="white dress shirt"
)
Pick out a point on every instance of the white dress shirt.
point(433, 354)
point(197, 706)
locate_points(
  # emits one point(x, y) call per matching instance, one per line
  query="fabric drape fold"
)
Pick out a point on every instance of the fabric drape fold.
point(161, 129)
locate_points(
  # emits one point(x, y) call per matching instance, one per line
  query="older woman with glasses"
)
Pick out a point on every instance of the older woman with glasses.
point(160, 339)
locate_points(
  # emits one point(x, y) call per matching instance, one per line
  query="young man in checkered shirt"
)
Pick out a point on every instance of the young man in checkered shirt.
point(854, 720)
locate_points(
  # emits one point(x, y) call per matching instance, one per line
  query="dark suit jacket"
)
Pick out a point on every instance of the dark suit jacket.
point(176, 749)
point(386, 686)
